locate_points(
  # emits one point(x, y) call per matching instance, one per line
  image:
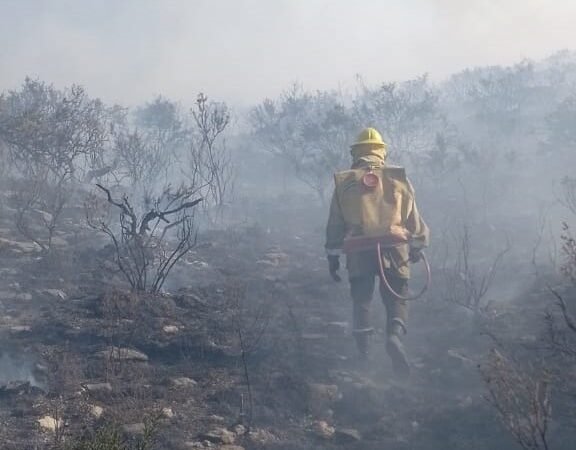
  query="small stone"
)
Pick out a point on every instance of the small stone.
point(134, 428)
point(170, 329)
point(20, 247)
point(41, 367)
point(262, 437)
point(50, 423)
point(215, 418)
point(168, 413)
point(347, 435)
point(96, 411)
point(199, 264)
point(219, 436)
point(183, 382)
point(20, 328)
point(323, 430)
point(56, 293)
point(98, 387)
point(240, 430)
point(123, 354)
point(230, 447)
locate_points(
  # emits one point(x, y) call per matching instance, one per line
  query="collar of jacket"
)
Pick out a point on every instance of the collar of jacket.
point(368, 161)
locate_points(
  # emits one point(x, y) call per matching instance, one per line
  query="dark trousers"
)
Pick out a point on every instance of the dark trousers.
point(362, 291)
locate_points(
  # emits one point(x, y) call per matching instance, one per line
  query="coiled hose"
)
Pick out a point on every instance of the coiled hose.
point(387, 283)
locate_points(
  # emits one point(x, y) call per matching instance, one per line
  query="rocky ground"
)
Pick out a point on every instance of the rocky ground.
point(248, 348)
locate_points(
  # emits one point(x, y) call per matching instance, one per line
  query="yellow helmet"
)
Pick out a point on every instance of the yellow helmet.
point(369, 136)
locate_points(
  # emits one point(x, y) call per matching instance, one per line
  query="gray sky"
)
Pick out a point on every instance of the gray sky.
point(244, 50)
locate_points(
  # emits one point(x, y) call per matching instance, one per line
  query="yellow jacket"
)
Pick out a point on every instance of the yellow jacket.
point(390, 208)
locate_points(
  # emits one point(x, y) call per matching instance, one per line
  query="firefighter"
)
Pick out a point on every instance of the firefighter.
point(374, 220)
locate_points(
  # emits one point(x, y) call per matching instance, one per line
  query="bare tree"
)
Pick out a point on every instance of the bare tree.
point(209, 161)
point(49, 136)
point(311, 132)
point(44, 128)
point(407, 113)
point(465, 284)
point(145, 152)
point(143, 252)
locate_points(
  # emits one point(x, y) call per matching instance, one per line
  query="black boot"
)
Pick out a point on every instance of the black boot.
point(362, 338)
point(396, 351)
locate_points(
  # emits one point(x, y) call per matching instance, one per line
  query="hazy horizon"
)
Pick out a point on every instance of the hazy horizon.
point(244, 50)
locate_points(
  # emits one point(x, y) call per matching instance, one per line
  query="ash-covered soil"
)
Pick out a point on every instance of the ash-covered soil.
point(249, 347)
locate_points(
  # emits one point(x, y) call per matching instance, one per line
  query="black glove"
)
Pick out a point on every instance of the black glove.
point(334, 267)
point(415, 255)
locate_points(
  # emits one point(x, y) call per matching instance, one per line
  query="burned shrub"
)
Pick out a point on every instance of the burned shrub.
point(147, 246)
point(521, 398)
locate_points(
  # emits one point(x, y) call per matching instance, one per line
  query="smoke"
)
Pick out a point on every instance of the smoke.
point(245, 50)
point(17, 369)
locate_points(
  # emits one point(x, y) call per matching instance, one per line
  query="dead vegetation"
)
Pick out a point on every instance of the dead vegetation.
point(249, 344)
point(521, 398)
point(144, 250)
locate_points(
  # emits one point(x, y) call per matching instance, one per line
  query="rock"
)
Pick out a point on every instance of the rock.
point(42, 368)
point(347, 435)
point(98, 387)
point(19, 247)
point(215, 418)
point(20, 328)
point(134, 428)
point(96, 411)
point(198, 264)
point(183, 382)
point(321, 429)
point(240, 430)
point(24, 296)
point(230, 447)
point(50, 423)
point(168, 413)
point(56, 293)
point(276, 257)
point(123, 354)
point(171, 329)
point(262, 437)
point(219, 436)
